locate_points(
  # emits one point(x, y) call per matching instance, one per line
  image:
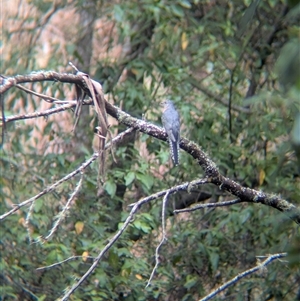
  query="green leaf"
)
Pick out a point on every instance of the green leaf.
point(137, 224)
point(111, 188)
point(244, 216)
point(177, 10)
point(113, 259)
point(146, 179)
point(145, 228)
point(38, 204)
point(42, 298)
point(191, 282)
point(247, 17)
point(185, 4)
point(214, 260)
point(129, 178)
point(118, 13)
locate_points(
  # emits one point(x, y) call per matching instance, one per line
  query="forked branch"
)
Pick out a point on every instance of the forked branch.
point(211, 171)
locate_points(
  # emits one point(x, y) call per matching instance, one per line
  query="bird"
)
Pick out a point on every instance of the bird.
point(171, 123)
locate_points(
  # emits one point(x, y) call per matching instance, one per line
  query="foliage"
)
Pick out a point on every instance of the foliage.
point(219, 62)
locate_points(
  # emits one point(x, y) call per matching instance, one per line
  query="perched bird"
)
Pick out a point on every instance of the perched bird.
point(171, 122)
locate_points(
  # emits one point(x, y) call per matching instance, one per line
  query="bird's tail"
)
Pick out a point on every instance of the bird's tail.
point(174, 147)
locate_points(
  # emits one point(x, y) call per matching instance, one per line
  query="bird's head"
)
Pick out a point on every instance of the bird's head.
point(166, 104)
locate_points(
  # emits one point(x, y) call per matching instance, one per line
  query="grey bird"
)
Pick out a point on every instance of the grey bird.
point(171, 122)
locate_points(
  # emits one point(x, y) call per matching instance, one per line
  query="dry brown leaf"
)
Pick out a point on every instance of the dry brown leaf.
point(80, 96)
point(97, 96)
point(99, 103)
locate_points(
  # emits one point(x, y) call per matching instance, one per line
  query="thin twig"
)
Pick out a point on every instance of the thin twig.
point(3, 120)
point(234, 280)
point(41, 114)
point(27, 226)
point(230, 105)
point(52, 187)
point(63, 261)
point(135, 208)
point(67, 177)
point(62, 214)
point(65, 105)
point(182, 187)
point(43, 96)
point(163, 239)
point(209, 167)
point(209, 205)
point(104, 250)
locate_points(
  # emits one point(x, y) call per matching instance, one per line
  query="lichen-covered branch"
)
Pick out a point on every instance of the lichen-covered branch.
point(211, 171)
point(259, 267)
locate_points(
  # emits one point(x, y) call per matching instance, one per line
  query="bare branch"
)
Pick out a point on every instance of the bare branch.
point(245, 194)
point(63, 213)
point(163, 239)
point(43, 96)
point(259, 267)
point(3, 121)
point(27, 226)
point(62, 262)
point(209, 205)
point(52, 187)
point(67, 177)
point(105, 249)
point(128, 220)
point(65, 105)
point(132, 213)
point(185, 186)
point(40, 114)
point(9, 82)
point(135, 208)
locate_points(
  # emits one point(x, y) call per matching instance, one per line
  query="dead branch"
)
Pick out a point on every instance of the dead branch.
point(66, 178)
point(259, 267)
point(211, 171)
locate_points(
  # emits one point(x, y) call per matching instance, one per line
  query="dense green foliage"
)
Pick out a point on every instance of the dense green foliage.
point(232, 68)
